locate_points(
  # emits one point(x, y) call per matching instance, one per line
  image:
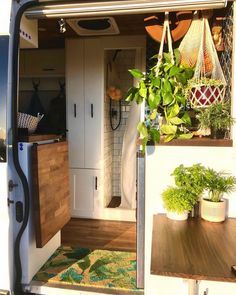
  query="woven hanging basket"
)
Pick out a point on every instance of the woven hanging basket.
point(202, 95)
point(198, 50)
point(28, 121)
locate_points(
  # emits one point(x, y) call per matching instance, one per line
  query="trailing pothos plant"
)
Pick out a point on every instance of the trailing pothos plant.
point(163, 89)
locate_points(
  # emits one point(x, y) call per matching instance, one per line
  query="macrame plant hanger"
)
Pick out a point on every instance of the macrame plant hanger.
point(166, 32)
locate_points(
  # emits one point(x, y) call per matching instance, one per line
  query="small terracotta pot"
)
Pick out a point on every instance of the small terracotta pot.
point(213, 211)
point(177, 216)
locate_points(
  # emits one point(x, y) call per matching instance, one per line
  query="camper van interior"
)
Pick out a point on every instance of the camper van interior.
point(78, 144)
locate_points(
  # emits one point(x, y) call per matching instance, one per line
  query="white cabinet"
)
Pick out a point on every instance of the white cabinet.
point(42, 63)
point(216, 288)
point(85, 88)
point(85, 96)
point(85, 187)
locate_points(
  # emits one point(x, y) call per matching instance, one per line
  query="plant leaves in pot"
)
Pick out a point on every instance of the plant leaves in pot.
point(213, 208)
point(178, 201)
point(217, 118)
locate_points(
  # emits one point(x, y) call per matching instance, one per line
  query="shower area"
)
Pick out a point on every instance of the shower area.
point(120, 133)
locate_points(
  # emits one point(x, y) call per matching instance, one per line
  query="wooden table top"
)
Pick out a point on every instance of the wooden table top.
point(194, 249)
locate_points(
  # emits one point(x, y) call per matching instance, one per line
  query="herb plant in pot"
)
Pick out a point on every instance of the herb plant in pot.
point(178, 201)
point(217, 118)
point(182, 198)
point(213, 208)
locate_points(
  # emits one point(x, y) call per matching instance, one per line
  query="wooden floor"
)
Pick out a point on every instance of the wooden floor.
point(100, 234)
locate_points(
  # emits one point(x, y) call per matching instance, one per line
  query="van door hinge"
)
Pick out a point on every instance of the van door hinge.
point(11, 186)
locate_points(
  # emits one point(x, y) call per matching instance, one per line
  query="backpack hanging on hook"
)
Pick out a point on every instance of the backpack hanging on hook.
point(35, 106)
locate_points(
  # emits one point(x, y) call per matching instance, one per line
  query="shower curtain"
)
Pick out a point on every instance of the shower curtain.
point(128, 159)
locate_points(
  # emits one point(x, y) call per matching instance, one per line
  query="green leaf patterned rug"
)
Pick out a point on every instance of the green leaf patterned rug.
point(90, 268)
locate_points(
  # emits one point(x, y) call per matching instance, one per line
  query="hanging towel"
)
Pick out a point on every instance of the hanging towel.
point(128, 159)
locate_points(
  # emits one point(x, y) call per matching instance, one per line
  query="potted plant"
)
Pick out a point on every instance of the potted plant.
point(204, 91)
point(216, 118)
point(163, 90)
point(213, 208)
point(181, 199)
point(178, 201)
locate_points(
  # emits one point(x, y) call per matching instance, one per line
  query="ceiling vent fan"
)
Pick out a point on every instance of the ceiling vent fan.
point(94, 26)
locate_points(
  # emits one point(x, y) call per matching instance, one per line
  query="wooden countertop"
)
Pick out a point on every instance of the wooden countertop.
point(194, 249)
point(38, 137)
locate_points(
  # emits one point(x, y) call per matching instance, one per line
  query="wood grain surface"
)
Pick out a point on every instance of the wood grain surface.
point(51, 189)
point(100, 234)
point(194, 249)
point(195, 141)
point(38, 137)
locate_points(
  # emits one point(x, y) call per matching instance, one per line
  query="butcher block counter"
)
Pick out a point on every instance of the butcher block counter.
point(51, 189)
point(194, 249)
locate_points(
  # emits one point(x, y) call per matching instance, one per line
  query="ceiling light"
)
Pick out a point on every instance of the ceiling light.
point(120, 7)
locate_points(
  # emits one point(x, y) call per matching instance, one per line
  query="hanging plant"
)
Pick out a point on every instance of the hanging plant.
point(163, 91)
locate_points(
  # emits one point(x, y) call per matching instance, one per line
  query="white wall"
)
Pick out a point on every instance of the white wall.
point(5, 9)
point(5, 244)
point(160, 162)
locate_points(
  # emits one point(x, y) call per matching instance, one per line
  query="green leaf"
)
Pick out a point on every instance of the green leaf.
point(167, 98)
point(169, 137)
point(188, 73)
point(181, 78)
point(143, 89)
point(142, 129)
point(168, 129)
point(154, 100)
point(167, 86)
point(176, 121)
point(156, 82)
point(131, 93)
point(136, 73)
point(174, 71)
point(185, 136)
point(186, 118)
point(173, 111)
point(155, 135)
point(177, 55)
point(85, 263)
point(167, 67)
point(167, 57)
point(144, 144)
point(153, 114)
point(181, 99)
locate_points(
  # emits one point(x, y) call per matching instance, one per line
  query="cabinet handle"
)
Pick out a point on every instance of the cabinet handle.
point(91, 110)
point(75, 111)
point(96, 183)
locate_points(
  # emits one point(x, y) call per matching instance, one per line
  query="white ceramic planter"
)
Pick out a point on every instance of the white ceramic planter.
point(213, 211)
point(177, 216)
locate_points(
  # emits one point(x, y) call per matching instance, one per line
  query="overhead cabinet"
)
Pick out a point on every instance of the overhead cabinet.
point(42, 63)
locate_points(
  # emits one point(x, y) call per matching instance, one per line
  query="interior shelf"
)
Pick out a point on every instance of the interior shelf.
point(193, 249)
point(195, 141)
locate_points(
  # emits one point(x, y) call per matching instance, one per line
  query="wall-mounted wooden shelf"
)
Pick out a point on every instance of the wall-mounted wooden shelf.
point(195, 141)
point(194, 249)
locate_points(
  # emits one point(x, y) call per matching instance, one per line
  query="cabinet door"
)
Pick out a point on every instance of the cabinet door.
point(94, 97)
point(84, 185)
point(44, 63)
point(216, 288)
point(75, 101)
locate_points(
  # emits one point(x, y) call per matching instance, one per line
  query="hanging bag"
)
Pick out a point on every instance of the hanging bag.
point(198, 50)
